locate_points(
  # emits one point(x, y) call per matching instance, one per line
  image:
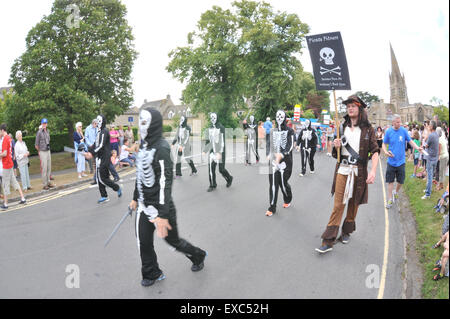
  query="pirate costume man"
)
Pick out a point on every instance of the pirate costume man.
point(184, 147)
point(153, 199)
point(280, 163)
point(101, 150)
point(357, 146)
point(307, 141)
point(215, 149)
point(251, 141)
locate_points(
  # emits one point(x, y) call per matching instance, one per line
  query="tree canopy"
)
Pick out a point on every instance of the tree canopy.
point(242, 56)
point(78, 63)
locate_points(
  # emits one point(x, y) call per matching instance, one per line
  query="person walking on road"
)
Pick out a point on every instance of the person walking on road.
point(152, 200)
point(8, 174)
point(184, 147)
point(215, 148)
point(101, 150)
point(396, 137)
point(280, 163)
point(22, 155)
point(357, 146)
point(42, 145)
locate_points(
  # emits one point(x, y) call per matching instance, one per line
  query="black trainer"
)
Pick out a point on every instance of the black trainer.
point(324, 249)
point(230, 181)
point(210, 189)
point(199, 266)
point(150, 282)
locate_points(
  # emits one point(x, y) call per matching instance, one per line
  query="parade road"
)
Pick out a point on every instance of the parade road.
point(54, 247)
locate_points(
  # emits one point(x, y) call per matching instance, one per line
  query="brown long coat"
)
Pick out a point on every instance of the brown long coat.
point(367, 147)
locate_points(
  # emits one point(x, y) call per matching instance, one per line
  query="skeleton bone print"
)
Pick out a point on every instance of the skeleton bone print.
point(280, 140)
point(145, 176)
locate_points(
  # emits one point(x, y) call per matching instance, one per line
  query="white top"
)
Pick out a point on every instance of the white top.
point(444, 151)
point(20, 149)
point(123, 153)
point(353, 138)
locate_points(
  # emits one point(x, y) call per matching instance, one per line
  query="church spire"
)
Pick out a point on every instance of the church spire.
point(394, 65)
point(399, 93)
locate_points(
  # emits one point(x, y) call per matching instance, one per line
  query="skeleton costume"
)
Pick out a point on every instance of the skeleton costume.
point(101, 150)
point(251, 143)
point(307, 140)
point(153, 193)
point(281, 142)
point(215, 147)
point(182, 138)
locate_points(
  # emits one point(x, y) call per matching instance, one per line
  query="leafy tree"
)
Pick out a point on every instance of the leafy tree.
point(442, 112)
point(73, 69)
point(367, 97)
point(237, 55)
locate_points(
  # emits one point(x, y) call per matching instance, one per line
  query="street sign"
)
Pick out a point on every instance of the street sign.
point(329, 61)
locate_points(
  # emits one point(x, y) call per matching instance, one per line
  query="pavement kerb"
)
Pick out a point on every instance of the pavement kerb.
point(56, 189)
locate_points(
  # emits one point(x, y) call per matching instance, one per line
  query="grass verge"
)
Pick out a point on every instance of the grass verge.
point(429, 227)
point(60, 161)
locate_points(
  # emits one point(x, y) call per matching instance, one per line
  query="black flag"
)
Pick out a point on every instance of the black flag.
point(329, 61)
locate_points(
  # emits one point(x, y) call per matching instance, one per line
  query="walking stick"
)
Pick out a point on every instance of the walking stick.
point(336, 120)
point(128, 213)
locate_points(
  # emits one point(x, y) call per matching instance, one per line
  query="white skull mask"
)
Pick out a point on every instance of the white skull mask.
point(213, 118)
point(307, 122)
point(252, 119)
point(99, 123)
point(182, 119)
point(327, 54)
point(145, 118)
point(280, 117)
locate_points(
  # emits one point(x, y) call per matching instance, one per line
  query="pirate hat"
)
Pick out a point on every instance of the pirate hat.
point(355, 99)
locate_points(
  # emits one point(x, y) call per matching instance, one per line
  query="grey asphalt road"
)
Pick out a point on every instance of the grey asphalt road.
point(250, 255)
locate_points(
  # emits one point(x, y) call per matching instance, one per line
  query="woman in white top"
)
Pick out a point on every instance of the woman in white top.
point(22, 155)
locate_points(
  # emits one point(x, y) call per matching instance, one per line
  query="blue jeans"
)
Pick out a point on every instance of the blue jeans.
point(431, 167)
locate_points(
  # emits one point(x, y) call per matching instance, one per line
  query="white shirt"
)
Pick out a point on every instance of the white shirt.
point(20, 149)
point(353, 138)
point(123, 153)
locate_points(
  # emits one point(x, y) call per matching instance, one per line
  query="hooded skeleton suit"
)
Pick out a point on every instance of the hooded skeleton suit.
point(153, 193)
point(251, 143)
point(215, 143)
point(281, 142)
point(101, 149)
point(307, 140)
point(182, 138)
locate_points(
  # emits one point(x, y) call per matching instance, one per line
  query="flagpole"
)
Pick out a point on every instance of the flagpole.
point(336, 121)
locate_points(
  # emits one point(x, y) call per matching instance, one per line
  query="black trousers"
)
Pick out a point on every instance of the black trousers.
point(145, 237)
point(280, 180)
point(178, 164)
point(103, 180)
point(308, 158)
point(212, 171)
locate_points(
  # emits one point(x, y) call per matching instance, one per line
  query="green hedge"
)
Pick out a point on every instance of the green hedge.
point(57, 142)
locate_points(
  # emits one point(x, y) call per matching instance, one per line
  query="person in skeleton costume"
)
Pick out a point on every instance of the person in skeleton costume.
point(280, 162)
point(251, 143)
point(182, 138)
point(101, 150)
point(152, 200)
point(357, 145)
point(215, 149)
point(307, 141)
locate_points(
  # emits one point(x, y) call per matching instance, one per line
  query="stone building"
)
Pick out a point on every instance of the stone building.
point(169, 110)
point(380, 113)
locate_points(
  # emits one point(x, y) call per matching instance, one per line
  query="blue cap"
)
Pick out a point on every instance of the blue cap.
point(44, 121)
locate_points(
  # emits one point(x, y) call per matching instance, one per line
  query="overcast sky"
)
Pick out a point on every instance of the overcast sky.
point(417, 30)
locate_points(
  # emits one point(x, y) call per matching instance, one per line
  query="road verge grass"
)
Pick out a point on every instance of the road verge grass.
point(429, 227)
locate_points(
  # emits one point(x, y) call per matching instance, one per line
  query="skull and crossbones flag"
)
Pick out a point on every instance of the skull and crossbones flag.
point(329, 61)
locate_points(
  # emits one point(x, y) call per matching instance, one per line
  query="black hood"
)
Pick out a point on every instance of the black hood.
point(155, 130)
point(184, 124)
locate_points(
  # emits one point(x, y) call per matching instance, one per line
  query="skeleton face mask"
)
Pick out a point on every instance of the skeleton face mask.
point(182, 119)
point(145, 118)
point(307, 122)
point(213, 118)
point(99, 123)
point(252, 119)
point(280, 117)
